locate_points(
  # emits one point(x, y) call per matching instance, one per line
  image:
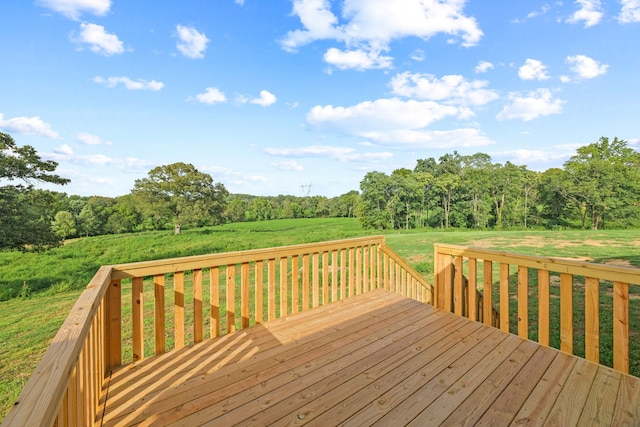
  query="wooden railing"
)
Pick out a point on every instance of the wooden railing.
point(132, 311)
point(456, 266)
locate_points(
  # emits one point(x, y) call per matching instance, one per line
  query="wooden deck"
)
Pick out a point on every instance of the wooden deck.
point(377, 358)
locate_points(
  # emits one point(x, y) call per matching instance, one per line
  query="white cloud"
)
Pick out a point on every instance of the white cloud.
point(382, 115)
point(210, 96)
point(317, 19)
point(84, 180)
point(98, 39)
point(128, 83)
point(453, 89)
point(129, 164)
point(630, 11)
point(369, 27)
point(533, 105)
point(291, 165)
point(266, 99)
point(418, 55)
point(74, 8)
point(397, 123)
point(483, 67)
point(232, 177)
point(28, 126)
point(634, 143)
point(590, 12)
point(192, 43)
point(545, 8)
point(533, 70)
point(64, 149)
point(527, 157)
point(383, 20)
point(358, 59)
point(428, 139)
point(585, 67)
point(240, 2)
point(341, 154)
point(89, 139)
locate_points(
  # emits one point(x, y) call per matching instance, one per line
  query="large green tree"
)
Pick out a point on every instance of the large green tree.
point(236, 210)
point(261, 210)
point(125, 216)
point(475, 179)
point(344, 205)
point(603, 182)
point(181, 193)
point(25, 220)
point(505, 185)
point(64, 224)
point(375, 194)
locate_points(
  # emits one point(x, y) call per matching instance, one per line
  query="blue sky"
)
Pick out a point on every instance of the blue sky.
point(268, 97)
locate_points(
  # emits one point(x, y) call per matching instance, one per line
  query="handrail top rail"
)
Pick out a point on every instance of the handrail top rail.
point(613, 273)
point(147, 268)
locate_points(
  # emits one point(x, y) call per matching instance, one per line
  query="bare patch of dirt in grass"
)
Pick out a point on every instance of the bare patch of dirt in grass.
point(595, 243)
point(540, 242)
point(417, 258)
point(531, 241)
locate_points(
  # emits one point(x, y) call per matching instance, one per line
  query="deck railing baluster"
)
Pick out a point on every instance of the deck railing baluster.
point(523, 302)
point(334, 276)
point(245, 300)
point(159, 314)
point(178, 316)
point(473, 289)
point(457, 286)
point(230, 305)
point(315, 279)
point(137, 304)
point(259, 299)
point(621, 326)
point(197, 306)
point(305, 282)
point(325, 277)
point(566, 313)
point(295, 284)
point(214, 302)
point(504, 296)
point(544, 310)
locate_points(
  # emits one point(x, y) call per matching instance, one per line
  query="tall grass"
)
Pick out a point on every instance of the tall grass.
point(50, 282)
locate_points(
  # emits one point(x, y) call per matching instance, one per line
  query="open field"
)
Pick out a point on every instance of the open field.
point(54, 279)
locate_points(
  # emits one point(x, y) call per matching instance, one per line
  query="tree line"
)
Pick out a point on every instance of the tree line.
point(598, 187)
point(96, 215)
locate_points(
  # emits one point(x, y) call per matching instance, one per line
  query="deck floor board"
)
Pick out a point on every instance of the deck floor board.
point(375, 358)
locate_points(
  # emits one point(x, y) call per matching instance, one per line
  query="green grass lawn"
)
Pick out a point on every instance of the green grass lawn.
point(54, 279)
